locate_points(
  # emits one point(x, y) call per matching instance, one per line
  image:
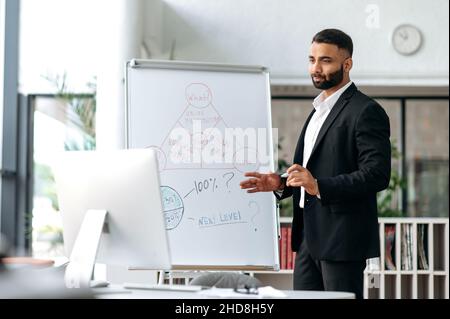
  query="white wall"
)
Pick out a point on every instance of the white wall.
point(122, 32)
point(277, 34)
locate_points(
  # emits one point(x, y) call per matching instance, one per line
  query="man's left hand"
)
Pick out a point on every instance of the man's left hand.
point(301, 177)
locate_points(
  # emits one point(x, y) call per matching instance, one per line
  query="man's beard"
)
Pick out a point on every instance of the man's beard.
point(334, 79)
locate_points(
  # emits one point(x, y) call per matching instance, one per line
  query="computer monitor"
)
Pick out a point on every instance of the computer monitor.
point(112, 212)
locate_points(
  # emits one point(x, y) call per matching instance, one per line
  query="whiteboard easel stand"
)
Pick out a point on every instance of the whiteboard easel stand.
point(137, 65)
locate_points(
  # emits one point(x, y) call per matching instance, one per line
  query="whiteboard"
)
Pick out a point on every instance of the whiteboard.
point(211, 222)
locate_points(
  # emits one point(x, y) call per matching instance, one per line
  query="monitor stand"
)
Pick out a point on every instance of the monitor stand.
point(81, 265)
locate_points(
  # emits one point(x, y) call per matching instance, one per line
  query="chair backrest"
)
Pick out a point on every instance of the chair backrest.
point(225, 280)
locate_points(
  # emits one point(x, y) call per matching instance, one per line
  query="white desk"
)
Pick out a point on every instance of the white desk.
point(118, 292)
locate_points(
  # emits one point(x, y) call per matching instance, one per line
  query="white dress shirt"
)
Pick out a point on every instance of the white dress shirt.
point(323, 108)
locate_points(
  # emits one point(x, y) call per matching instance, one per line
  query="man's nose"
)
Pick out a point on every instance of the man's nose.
point(315, 68)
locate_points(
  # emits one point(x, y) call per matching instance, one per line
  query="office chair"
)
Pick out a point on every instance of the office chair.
point(225, 280)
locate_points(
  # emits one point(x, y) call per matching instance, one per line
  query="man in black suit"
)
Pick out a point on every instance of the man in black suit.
point(342, 159)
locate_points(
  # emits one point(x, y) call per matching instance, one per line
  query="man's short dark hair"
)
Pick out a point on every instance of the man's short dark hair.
point(336, 37)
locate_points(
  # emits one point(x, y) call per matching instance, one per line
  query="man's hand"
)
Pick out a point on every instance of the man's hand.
point(261, 182)
point(300, 176)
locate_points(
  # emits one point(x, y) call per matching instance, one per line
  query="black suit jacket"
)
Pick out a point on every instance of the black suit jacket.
point(351, 161)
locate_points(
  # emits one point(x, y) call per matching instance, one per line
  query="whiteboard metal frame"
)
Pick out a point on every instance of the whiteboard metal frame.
point(212, 67)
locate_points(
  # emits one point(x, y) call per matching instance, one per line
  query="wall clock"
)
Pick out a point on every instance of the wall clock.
point(407, 39)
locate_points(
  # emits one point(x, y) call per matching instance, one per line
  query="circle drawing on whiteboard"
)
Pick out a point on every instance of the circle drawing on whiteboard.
point(198, 95)
point(160, 156)
point(246, 160)
point(173, 207)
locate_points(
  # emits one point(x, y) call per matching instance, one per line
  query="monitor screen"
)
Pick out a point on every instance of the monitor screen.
point(125, 184)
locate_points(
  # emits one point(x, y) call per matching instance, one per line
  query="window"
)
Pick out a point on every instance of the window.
point(60, 124)
point(427, 161)
point(394, 111)
point(59, 53)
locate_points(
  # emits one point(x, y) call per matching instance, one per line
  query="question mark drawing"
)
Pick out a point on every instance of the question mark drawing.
point(250, 204)
point(232, 175)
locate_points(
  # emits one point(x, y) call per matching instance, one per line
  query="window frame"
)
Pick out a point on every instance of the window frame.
point(11, 186)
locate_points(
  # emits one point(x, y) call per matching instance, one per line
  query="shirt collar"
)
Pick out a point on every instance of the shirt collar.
point(320, 103)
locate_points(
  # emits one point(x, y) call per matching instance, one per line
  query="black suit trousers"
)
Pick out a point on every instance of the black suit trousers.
point(322, 275)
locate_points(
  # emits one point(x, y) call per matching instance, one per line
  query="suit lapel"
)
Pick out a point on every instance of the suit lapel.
point(298, 156)
point(335, 111)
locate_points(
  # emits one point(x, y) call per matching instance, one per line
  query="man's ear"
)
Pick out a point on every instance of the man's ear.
point(348, 64)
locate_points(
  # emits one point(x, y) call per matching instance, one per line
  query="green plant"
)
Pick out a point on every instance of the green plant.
point(80, 112)
point(387, 205)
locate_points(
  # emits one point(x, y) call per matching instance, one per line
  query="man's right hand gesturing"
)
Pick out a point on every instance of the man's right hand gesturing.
point(262, 182)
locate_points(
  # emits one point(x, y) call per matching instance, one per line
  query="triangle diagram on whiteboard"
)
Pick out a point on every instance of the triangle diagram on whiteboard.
point(204, 128)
